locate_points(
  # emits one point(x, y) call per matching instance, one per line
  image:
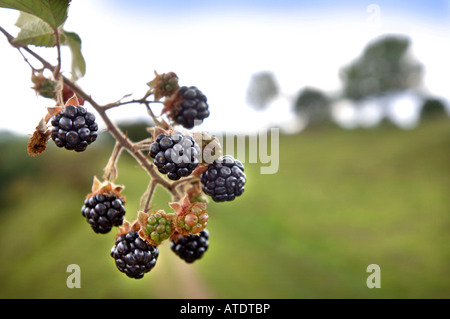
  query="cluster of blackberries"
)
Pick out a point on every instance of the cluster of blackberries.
point(175, 155)
point(133, 255)
point(74, 128)
point(193, 108)
point(191, 248)
point(224, 179)
point(103, 211)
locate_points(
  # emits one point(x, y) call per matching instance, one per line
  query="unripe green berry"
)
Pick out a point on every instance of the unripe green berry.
point(156, 227)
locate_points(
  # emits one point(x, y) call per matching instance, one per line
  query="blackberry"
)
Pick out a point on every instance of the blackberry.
point(175, 155)
point(74, 128)
point(191, 248)
point(103, 211)
point(133, 255)
point(193, 107)
point(224, 179)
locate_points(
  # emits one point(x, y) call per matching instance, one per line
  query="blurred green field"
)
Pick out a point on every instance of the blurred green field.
point(340, 201)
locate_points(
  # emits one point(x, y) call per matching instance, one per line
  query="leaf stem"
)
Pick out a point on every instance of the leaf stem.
point(57, 70)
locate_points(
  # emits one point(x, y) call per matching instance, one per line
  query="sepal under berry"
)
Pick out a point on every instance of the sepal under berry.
point(99, 187)
point(68, 93)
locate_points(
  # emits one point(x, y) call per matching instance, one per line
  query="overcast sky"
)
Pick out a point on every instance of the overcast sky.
point(218, 45)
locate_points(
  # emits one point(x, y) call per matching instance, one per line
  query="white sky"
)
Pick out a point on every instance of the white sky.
point(218, 54)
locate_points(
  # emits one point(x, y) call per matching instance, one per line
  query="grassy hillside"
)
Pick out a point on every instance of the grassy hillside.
point(340, 201)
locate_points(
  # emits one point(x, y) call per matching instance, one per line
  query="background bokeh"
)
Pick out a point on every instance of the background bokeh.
point(359, 93)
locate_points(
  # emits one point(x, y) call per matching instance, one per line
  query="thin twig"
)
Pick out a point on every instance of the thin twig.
point(57, 71)
point(120, 103)
point(147, 197)
point(10, 38)
point(110, 168)
point(28, 62)
point(120, 136)
point(182, 181)
point(155, 120)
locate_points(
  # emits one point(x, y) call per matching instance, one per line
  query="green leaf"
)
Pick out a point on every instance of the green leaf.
point(34, 31)
point(54, 12)
point(78, 64)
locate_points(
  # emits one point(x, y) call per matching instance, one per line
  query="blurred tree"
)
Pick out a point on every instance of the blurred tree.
point(262, 89)
point(313, 105)
point(432, 108)
point(385, 66)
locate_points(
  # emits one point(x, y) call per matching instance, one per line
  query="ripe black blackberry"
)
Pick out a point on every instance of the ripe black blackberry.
point(133, 255)
point(74, 128)
point(175, 155)
point(192, 108)
point(103, 211)
point(224, 179)
point(191, 248)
